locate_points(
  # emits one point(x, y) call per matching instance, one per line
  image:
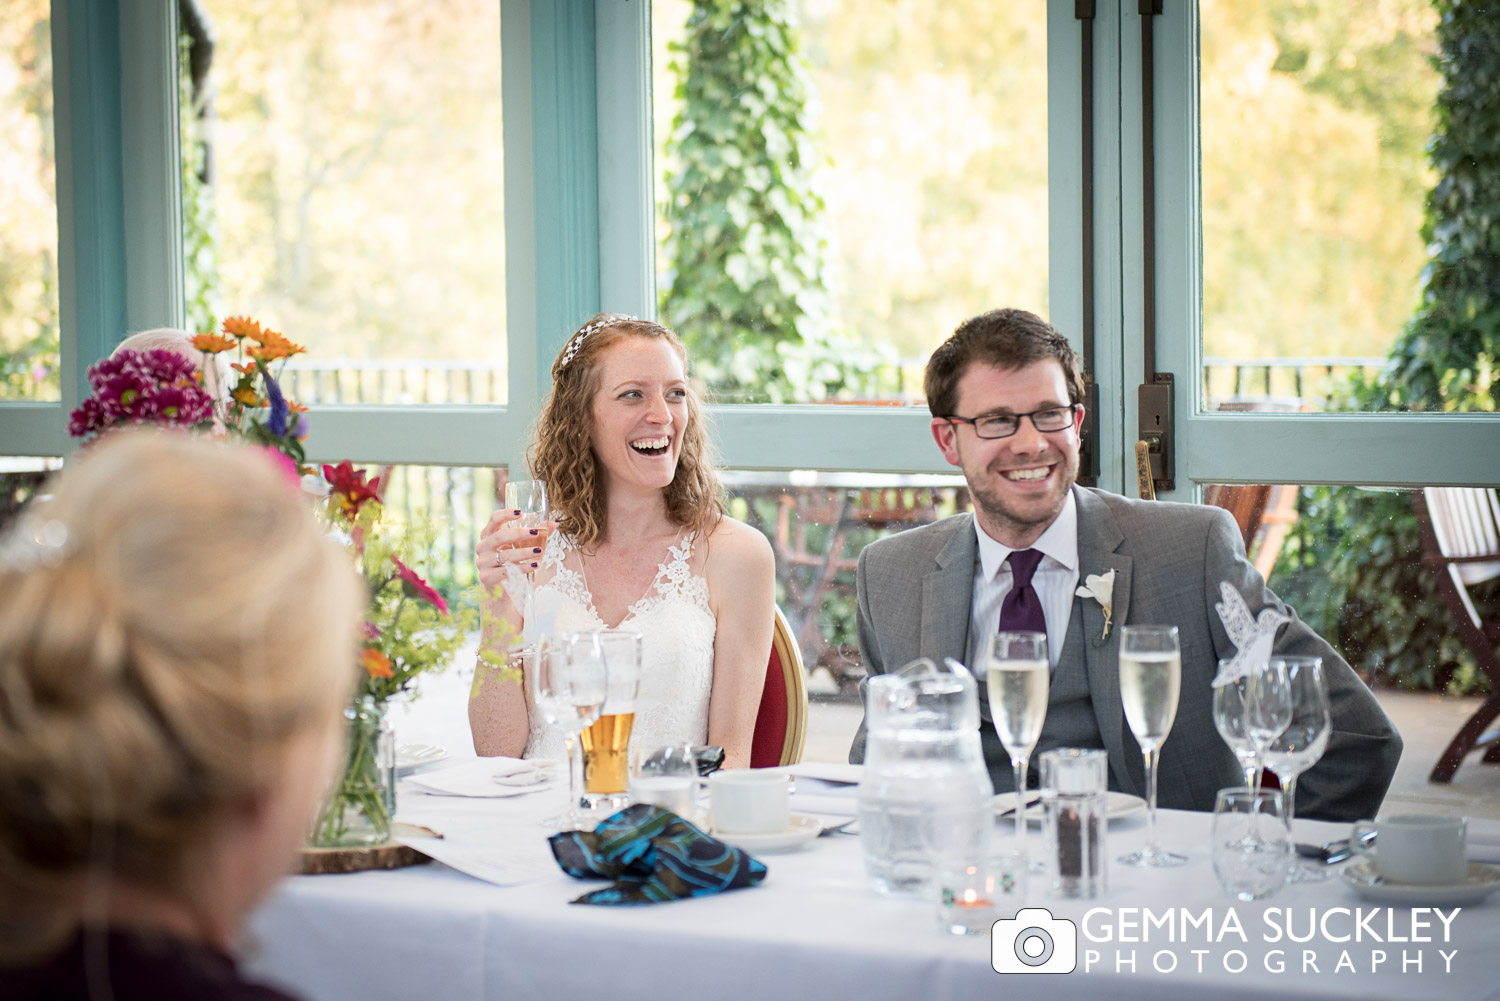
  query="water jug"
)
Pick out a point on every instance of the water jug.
point(925, 794)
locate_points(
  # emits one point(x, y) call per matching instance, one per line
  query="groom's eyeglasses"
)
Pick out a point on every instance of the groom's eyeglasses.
point(1005, 425)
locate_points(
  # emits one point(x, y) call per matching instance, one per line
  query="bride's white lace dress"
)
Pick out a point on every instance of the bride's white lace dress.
point(677, 650)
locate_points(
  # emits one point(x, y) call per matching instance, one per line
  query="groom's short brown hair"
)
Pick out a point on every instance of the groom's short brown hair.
point(1005, 338)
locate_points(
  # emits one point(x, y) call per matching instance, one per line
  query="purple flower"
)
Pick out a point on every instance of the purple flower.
point(276, 423)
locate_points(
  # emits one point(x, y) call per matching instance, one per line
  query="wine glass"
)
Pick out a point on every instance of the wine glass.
point(1018, 680)
point(569, 696)
point(1268, 707)
point(1150, 682)
point(1229, 720)
point(1302, 741)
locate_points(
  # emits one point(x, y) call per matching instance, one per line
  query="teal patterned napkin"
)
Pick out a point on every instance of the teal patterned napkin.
point(652, 855)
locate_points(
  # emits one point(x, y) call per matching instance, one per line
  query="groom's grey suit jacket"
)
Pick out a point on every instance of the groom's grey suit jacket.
point(915, 593)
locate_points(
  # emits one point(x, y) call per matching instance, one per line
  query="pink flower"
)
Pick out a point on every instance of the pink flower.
point(416, 587)
point(284, 463)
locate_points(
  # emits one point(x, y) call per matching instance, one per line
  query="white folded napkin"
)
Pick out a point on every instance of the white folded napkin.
point(486, 777)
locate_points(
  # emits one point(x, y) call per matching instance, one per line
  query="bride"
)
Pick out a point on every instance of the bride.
point(641, 542)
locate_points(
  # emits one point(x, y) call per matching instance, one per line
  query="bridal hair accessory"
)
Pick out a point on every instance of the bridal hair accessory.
point(608, 320)
point(34, 542)
point(1253, 636)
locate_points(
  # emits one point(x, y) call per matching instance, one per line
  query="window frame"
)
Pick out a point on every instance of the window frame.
point(580, 237)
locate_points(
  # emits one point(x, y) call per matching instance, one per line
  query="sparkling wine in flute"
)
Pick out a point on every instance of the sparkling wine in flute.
point(606, 754)
point(1149, 687)
point(1018, 701)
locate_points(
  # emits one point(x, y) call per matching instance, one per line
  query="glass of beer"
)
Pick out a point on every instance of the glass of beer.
point(606, 742)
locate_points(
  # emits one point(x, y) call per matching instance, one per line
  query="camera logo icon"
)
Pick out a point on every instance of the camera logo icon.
point(1034, 942)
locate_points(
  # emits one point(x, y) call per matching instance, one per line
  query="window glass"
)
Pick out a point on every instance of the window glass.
point(1316, 125)
point(840, 183)
point(28, 206)
point(343, 184)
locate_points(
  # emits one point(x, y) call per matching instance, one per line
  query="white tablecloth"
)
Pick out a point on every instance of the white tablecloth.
point(814, 929)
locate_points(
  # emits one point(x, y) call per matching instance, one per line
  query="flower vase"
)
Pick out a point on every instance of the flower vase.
point(363, 801)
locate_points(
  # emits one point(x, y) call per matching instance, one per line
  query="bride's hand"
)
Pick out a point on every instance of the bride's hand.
point(504, 541)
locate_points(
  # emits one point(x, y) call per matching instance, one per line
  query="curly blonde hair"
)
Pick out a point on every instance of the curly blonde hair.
point(156, 667)
point(562, 453)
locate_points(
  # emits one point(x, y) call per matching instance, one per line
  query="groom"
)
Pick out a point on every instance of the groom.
point(1004, 393)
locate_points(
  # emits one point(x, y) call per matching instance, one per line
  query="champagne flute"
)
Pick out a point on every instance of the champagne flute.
point(1018, 678)
point(1302, 741)
point(1150, 682)
point(569, 696)
point(530, 498)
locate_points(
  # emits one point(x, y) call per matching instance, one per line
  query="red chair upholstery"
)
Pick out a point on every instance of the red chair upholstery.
point(781, 723)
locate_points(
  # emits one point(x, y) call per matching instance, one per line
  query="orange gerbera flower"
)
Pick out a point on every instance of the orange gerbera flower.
point(248, 397)
point(243, 367)
point(294, 407)
point(375, 663)
point(213, 343)
point(281, 348)
point(242, 327)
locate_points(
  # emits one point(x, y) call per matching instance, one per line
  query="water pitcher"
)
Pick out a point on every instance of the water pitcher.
point(925, 796)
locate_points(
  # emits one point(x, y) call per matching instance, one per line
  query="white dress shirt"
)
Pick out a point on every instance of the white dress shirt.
point(1055, 580)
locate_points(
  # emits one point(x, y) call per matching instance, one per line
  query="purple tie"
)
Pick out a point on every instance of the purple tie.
point(1022, 609)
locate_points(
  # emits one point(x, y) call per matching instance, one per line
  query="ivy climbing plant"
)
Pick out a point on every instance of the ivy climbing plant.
point(747, 275)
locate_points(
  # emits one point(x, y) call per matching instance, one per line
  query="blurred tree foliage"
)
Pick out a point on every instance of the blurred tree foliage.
point(28, 206)
point(1315, 118)
point(355, 198)
point(1379, 602)
point(747, 284)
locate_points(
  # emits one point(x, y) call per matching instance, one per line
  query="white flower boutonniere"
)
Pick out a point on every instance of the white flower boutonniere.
point(1101, 587)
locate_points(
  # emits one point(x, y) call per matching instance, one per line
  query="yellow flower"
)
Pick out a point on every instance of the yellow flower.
point(248, 397)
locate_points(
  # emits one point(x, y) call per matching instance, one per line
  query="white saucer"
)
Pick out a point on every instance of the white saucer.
point(1482, 881)
point(410, 756)
point(1116, 805)
point(801, 829)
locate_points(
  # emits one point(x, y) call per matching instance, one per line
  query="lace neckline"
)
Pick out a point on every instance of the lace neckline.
point(673, 578)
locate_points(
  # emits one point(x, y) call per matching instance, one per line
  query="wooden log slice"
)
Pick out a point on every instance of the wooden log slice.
point(386, 855)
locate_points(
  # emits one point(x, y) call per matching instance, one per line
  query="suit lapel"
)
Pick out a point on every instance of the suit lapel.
point(1098, 539)
point(947, 593)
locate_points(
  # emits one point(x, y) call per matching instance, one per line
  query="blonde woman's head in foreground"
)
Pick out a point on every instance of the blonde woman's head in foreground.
point(175, 651)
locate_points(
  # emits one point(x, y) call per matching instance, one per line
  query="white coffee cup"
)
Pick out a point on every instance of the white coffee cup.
point(1416, 848)
point(749, 801)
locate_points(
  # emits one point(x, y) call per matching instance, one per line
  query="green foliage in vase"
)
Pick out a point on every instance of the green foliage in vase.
point(747, 281)
point(1379, 605)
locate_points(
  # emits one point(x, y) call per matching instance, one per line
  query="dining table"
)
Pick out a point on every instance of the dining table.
point(493, 917)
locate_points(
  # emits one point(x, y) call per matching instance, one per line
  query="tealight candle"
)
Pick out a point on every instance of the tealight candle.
point(970, 898)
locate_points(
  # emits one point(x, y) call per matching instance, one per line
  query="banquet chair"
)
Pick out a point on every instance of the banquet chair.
point(781, 724)
point(1460, 529)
